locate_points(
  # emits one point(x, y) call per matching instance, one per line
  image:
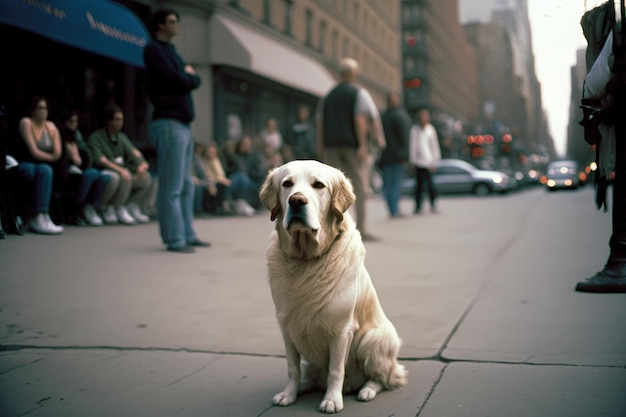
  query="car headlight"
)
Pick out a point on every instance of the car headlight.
point(497, 179)
point(568, 183)
point(551, 183)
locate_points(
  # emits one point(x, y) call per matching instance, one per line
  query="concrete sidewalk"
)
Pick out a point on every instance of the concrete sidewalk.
point(104, 322)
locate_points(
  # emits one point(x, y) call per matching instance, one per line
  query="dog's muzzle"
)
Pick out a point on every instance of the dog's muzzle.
point(298, 212)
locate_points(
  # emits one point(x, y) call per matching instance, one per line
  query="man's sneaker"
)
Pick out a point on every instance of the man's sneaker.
point(44, 225)
point(90, 216)
point(109, 216)
point(135, 212)
point(602, 283)
point(124, 216)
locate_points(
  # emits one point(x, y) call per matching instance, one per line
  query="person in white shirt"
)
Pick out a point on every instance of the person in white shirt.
point(424, 153)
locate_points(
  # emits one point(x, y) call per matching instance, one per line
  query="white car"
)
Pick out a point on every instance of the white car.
point(457, 176)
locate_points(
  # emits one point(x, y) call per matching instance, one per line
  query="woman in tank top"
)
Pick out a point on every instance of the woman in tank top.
point(43, 145)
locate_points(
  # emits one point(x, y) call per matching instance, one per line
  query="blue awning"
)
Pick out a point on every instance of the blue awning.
point(98, 26)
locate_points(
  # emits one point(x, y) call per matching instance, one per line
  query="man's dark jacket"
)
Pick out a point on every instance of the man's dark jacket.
point(169, 86)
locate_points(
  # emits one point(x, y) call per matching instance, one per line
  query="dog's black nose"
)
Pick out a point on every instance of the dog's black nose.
point(297, 200)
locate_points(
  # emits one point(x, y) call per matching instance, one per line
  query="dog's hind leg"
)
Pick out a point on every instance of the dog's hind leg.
point(369, 390)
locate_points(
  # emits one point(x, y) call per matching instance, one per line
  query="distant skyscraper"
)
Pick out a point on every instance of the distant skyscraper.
point(480, 11)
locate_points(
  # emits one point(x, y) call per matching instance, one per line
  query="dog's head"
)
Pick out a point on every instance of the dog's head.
point(308, 200)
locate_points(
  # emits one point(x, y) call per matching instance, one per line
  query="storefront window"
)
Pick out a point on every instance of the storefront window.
point(244, 104)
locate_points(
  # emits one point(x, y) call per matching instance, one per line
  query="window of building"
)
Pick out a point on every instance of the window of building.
point(409, 64)
point(346, 46)
point(355, 13)
point(322, 45)
point(410, 12)
point(415, 64)
point(288, 16)
point(267, 12)
point(335, 44)
point(309, 27)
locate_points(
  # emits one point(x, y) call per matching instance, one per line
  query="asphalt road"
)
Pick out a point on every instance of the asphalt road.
point(104, 322)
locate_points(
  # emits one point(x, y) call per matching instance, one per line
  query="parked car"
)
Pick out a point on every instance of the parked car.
point(562, 174)
point(457, 176)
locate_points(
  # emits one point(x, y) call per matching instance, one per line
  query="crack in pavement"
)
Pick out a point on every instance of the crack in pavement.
point(436, 358)
point(24, 365)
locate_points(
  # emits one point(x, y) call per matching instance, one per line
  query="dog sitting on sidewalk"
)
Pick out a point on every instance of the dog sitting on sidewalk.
point(326, 304)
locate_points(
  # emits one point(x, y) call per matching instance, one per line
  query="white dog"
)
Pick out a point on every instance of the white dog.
point(326, 304)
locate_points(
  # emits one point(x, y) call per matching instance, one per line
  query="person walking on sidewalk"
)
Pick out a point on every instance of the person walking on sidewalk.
point(344, 118)
point(396, 125)
point(170, 83)
point(424, 153)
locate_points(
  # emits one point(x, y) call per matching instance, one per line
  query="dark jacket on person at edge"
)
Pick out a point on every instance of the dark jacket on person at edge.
point(169, 86)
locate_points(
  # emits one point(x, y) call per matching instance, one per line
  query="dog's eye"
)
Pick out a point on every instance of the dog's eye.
point(318, 184)
point(287, 183)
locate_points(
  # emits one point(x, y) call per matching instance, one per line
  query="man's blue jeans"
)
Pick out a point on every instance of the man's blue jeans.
point(174, 148)
point(393, 174)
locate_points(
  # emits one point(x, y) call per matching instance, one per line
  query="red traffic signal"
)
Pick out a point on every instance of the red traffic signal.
point(412, 83)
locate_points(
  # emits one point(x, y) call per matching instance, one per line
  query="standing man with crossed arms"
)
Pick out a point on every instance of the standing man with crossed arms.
point(170, 82)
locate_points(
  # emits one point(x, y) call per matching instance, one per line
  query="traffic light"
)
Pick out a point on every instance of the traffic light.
point(477, 152)
point(412, 83)
point(505, 146)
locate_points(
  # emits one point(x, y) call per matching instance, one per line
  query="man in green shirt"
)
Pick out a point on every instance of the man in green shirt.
point(114, 152)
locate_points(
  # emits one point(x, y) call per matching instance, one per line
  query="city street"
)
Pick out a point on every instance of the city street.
point(105, 322)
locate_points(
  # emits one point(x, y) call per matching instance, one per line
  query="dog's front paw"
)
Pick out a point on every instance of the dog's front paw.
point(331, 406)
point(284, 398)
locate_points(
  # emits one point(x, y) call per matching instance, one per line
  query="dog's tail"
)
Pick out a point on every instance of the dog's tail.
point(378, 350)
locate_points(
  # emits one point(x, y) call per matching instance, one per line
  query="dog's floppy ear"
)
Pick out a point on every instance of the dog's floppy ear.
point(343, 196)
point(269, 194)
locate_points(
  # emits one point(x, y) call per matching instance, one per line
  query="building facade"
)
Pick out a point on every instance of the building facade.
point(268, 57)
point(257, 59)
point(510, 93)
point(439, 66)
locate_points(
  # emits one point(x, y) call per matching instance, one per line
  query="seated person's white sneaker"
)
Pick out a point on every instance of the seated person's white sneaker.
point(124, 217)
point(42, 224)
point(91, 217)
point(109, 216)
point(135, 212)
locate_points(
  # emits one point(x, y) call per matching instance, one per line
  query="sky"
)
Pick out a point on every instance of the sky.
point(556, 36)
